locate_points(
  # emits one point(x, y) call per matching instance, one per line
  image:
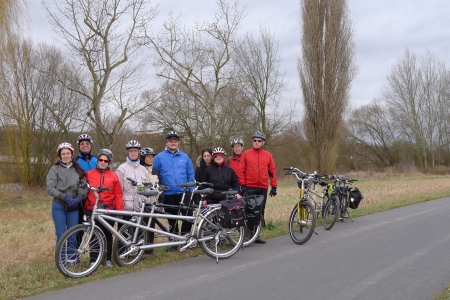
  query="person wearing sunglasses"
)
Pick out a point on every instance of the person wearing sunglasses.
point(256, 169)
point(113, 198)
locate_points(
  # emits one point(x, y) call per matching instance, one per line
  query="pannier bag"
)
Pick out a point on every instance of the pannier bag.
point(231, 213)
point(253, 209)
point(355, 198)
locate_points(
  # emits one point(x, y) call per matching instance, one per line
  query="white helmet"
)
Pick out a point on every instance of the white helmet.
point(219, 150)
point(133, 144)
point(65, 145)
point(84, 137)
point(237, 141)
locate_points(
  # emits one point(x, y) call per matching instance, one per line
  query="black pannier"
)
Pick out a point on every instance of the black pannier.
point(253, 210)
point(231, 213)
point(355, 198)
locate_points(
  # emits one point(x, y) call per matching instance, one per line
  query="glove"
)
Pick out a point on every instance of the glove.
point(72, 202)
point(273, 192)
point(243, 190)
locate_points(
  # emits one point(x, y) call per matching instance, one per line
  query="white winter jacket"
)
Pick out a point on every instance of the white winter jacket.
point(138, 173)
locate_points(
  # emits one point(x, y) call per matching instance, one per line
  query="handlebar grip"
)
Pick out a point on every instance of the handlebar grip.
point(287, 168)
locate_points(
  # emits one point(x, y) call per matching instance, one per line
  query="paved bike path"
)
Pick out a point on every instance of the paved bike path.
point(397, 254)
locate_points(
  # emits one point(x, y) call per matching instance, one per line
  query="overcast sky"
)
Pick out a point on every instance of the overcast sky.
point(383, 30)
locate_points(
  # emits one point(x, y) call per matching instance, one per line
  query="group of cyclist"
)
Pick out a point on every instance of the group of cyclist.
point(248, 172)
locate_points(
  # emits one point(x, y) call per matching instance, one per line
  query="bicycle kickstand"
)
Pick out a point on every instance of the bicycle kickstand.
point(348, 214)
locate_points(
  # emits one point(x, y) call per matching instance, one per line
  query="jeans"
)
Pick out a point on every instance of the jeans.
point(63, 220)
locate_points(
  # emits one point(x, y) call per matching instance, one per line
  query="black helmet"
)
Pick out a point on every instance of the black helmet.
point(172, 134)
point(106, 152)
point(259, 134)
point(237, 141)
point(84, 137)
point(133, 144)
point(146, 151)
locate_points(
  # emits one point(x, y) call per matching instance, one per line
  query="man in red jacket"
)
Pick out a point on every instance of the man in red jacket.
point(256, 168)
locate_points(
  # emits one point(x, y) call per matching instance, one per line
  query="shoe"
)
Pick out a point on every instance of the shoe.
point(148, 252)
point(260, 240)
point(109, 264)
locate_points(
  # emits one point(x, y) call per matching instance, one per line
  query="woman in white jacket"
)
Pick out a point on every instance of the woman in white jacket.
point(134, 170)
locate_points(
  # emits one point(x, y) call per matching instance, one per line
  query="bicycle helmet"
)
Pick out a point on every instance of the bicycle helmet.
point(219, 150)
point(106, 152)
point(146, 151)
point(84, 137)
point(172, 134)
point(237, 141)
point(259, 134)
point(133, 144)
point(65, 145)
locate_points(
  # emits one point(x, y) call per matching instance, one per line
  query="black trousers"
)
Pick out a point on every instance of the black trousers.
point(173, 224)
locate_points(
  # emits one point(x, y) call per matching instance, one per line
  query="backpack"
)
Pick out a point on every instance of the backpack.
point(253, 209)
point(355, 198)
point(231, 213)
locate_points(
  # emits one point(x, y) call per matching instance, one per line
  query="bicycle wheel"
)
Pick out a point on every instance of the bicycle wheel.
point(301, 225)
point(330, 213)
point(128, 255)
point(221, 242)
point(76, 261)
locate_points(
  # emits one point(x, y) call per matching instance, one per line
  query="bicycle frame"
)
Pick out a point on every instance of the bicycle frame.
point(101, 215)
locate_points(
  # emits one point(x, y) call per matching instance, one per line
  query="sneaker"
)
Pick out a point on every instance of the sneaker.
point(148, 252)
point(260, 240)
point(109, 264)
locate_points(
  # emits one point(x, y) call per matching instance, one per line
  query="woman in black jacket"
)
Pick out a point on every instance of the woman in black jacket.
point(221, 176)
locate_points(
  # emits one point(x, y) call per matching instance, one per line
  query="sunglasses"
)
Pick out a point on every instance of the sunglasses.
point(257, 141)
point(103, 160)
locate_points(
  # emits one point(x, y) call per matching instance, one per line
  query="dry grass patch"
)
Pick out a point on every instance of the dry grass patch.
point(28, 237)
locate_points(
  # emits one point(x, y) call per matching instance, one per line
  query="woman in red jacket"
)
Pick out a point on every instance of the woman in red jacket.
point(104, 177)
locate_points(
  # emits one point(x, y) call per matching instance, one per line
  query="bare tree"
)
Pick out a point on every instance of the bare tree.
point(36, 111)
point(197, 63)
point(326, 69)
point(376, 133)
point(103, 38)
point(416, 90)
point(262, 82)
point(11, 14)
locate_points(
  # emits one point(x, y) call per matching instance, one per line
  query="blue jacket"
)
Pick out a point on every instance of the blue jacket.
point(87, 165)
point(174, 168)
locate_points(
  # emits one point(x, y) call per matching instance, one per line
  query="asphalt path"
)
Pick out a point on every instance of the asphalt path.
point(398, 254)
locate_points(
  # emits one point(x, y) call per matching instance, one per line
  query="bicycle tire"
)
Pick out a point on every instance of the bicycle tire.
point(343, 208)
point(119, 247)
point(229, 242)
point(330, 213)
point(301, 230)
point(74, 260)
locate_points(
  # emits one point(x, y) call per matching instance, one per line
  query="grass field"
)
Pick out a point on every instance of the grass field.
point(28, 238)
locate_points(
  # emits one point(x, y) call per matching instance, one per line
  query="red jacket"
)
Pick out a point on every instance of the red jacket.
point(108, 179)
point(234, 161)
point(256, 168)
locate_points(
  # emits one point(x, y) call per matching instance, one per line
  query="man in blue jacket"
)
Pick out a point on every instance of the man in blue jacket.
point(175, 167)
point(85, 158)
